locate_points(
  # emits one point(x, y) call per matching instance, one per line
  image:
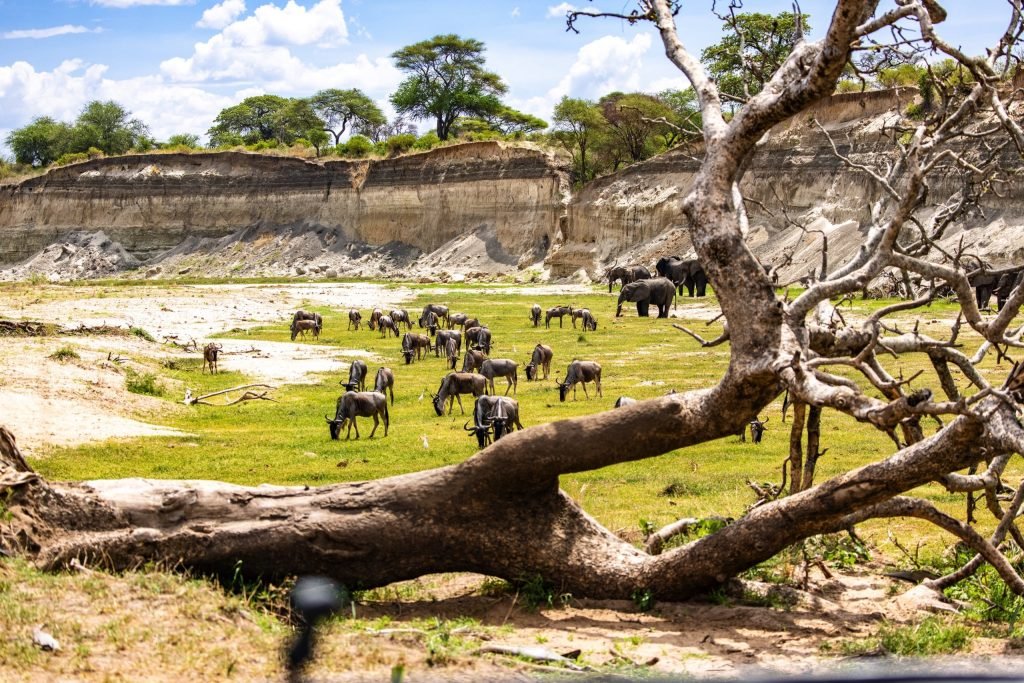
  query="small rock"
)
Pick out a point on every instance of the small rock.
point(300, 270)
point(185, 271)
point(332, 273)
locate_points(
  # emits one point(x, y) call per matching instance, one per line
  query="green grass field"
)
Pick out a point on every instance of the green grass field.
point(288, 443)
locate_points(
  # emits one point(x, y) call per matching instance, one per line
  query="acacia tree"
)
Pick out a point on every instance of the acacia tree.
point(501, 512)
point(446, 80)
point(340, 109)
point(578, 126)
point(41, 142)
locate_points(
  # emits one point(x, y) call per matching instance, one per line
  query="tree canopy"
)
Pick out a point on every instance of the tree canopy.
point(340, 109)
point(104, 126)
point(753, 48)
point(447, 79)
point(262, 118)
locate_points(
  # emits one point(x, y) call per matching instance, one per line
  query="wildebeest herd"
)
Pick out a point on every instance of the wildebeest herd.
point(451, 336)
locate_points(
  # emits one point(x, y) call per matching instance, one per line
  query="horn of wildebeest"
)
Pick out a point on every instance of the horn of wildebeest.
point(468, 428)
point(329, 420)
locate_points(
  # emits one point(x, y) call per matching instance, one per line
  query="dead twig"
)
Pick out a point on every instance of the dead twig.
point(191, 400)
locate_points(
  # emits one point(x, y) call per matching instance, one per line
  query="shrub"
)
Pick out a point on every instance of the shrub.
point(358, 146)
point(95, 153)
point(71, 158)
point(427, 141)
point(142, 383)
point(397, 144)
point(141, 333)
point(64, 353)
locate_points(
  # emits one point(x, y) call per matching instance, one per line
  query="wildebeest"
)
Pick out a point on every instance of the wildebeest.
point(535, 315)
point(457, 320)
point(469, 322)
point(556, 312)
point(499, 414)
point(413, 345)
point(473, 359)
point(437, 309)
point(375, 315)
point(385, 323)
point(384, 382)
point(210, 352)
point(480, 336)
point(356, 376)
point(441, 341)
point(354, 318)
point(452, 385)
point(501, 367)
point(757, 429)
point(580, 372)
point(400, 316)
point(588, 319)
point(624, 401)
point(308, 315)
point(430, 321)
point(304, 326)
point(451, 352)
point(353, 404)
point(541, 357)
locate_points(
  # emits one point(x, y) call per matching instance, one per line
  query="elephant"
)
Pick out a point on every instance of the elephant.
point(659, 291)
point(688, 273)
point(626, 274)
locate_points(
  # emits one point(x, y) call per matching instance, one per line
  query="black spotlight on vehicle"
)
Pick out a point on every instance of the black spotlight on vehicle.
point(313, 599)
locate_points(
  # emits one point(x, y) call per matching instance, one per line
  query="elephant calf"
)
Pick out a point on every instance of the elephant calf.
point(659, 291)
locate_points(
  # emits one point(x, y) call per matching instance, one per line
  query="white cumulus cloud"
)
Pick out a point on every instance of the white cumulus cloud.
point(602, 66)
point(48, 32)
point(167, 108)
point(221, 15)
point(559, 11)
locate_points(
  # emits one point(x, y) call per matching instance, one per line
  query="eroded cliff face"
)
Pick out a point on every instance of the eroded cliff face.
point(795, 177)
point(512, 196)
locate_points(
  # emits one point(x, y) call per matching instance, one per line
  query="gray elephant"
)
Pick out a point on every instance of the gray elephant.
point(688, 273)
point(659, 291)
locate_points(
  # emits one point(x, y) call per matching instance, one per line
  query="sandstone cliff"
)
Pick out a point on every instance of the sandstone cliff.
point(511, 197)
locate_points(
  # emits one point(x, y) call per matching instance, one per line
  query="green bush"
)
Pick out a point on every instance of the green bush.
point(428, 141)
point(357, 147)
point(142, 383)
point(262, 145)
point(64, 353)
point(71, 158)
point(95, 153)
point(141, 334)
point(397, 144)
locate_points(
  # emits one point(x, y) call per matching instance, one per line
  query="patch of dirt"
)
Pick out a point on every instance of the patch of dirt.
point(51, 403)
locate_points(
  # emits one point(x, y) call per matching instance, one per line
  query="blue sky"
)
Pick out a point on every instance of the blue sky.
point(176, 63)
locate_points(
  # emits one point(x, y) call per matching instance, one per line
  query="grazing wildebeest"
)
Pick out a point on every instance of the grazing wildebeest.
point(624, 401)
point(441, 341)
point(470, 322)
point(452, 385)
point(580, 372)
point(385, 323)
point(541, 357)
point(480, 337)
point(501, 367)
point(457, 320)
point(585, 315)
point(437, 309)
point(304, 326)
point(308, 315)
point(399, 316)
point(353, 404)
point(354, 318)
point(589, 321)
point(556, 312)
point(499, 414)
point(375, 315)
point(356, 376)
point(384, 382)
point(210, 352)
point(451, 352)
point(535, 314)
point(430, 321)
point(413, 345)
point(473, 360)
